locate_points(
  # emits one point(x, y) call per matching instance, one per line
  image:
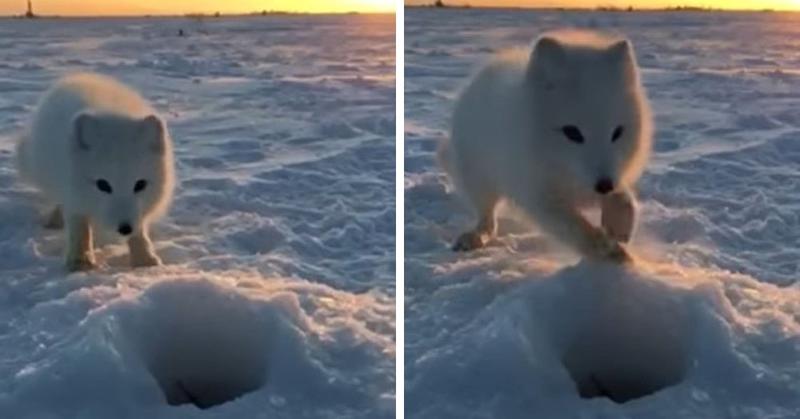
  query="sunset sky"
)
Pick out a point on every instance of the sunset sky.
point(138, 7)
point(721, 4)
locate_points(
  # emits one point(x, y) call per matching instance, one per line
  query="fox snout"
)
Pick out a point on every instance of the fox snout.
point(123, 216)
point(604, 185)
point(124, 229)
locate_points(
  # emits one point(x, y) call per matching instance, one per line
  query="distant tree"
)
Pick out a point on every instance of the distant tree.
point(630, 9)
point(439, 3)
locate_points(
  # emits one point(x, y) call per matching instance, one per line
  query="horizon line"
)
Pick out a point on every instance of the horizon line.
point(601, 8)
point(212, 15)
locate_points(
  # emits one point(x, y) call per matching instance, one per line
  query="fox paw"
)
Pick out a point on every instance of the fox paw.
point(78, 264)
point(606, 247)
point(619, 217)
point(470, 240)
point(55, 220)
point(618, 254)
point(144, 260)
point(621, 234)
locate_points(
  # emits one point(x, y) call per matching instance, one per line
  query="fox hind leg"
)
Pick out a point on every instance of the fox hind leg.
point(54, 219)
point(484, 229)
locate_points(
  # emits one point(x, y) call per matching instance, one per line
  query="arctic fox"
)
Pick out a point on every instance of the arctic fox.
point(554, 130)
point(99, 152)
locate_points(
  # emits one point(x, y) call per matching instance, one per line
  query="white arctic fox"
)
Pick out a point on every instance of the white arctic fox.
point(98, 151)
point(554, 130)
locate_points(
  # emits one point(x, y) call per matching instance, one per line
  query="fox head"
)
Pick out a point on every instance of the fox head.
point(121, 169)
point(591, 106)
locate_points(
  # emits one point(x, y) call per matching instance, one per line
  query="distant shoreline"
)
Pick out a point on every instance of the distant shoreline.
point(198, 15)
point(599, 9)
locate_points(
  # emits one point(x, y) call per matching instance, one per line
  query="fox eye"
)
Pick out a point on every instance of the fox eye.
point(139, 186)
point(103, 185)
point(572, 133)
point(617, 133)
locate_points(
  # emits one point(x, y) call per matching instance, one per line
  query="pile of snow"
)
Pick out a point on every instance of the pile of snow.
point(196, 341)
point(595, 338)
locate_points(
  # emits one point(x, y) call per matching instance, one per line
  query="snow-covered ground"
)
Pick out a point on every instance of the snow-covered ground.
point(710, 314)
point(279, 248)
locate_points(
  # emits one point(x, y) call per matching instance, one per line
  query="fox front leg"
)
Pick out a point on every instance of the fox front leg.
point(79, 252)
point(619, 215)
point(141, 251)
point(569, 226)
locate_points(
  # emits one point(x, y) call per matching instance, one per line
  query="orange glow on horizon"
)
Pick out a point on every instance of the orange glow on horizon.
point(180, 7)
point(640, 4)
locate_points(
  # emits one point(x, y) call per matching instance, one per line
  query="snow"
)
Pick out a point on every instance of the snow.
point(705, 324)
point(277, 296)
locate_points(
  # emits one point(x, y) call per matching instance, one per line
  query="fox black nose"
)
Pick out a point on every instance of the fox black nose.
point(125, 229)
point(604, 186)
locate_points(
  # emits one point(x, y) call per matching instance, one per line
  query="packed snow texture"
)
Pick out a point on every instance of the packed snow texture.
point(277, 295)
point(705, 325)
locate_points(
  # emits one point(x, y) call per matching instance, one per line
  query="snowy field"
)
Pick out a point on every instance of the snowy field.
point(710, 315)
point(279, 278)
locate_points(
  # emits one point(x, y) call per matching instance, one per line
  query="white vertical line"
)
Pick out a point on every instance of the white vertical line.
point(399, 214)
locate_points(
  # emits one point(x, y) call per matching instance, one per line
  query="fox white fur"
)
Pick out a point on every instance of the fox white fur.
point(99, 152)
point(509, 140)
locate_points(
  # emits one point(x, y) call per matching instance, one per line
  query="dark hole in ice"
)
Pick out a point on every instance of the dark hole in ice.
point(620, 335)
point(206, 392)
point(610, 363)
point(202, 346)
point(208, 376)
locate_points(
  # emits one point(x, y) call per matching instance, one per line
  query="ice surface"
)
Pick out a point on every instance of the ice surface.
point(707, 323)
point(277, 298)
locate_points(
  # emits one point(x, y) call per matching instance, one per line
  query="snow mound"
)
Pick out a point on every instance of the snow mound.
point(186, 343)
point(190, 339)
point(543, 341)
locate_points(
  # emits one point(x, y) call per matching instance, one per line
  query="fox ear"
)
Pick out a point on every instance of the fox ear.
point(546, 62)
point(82, 124)
point(548, 49)
point(621, 54)
point(621, 51)
point(153, 131)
